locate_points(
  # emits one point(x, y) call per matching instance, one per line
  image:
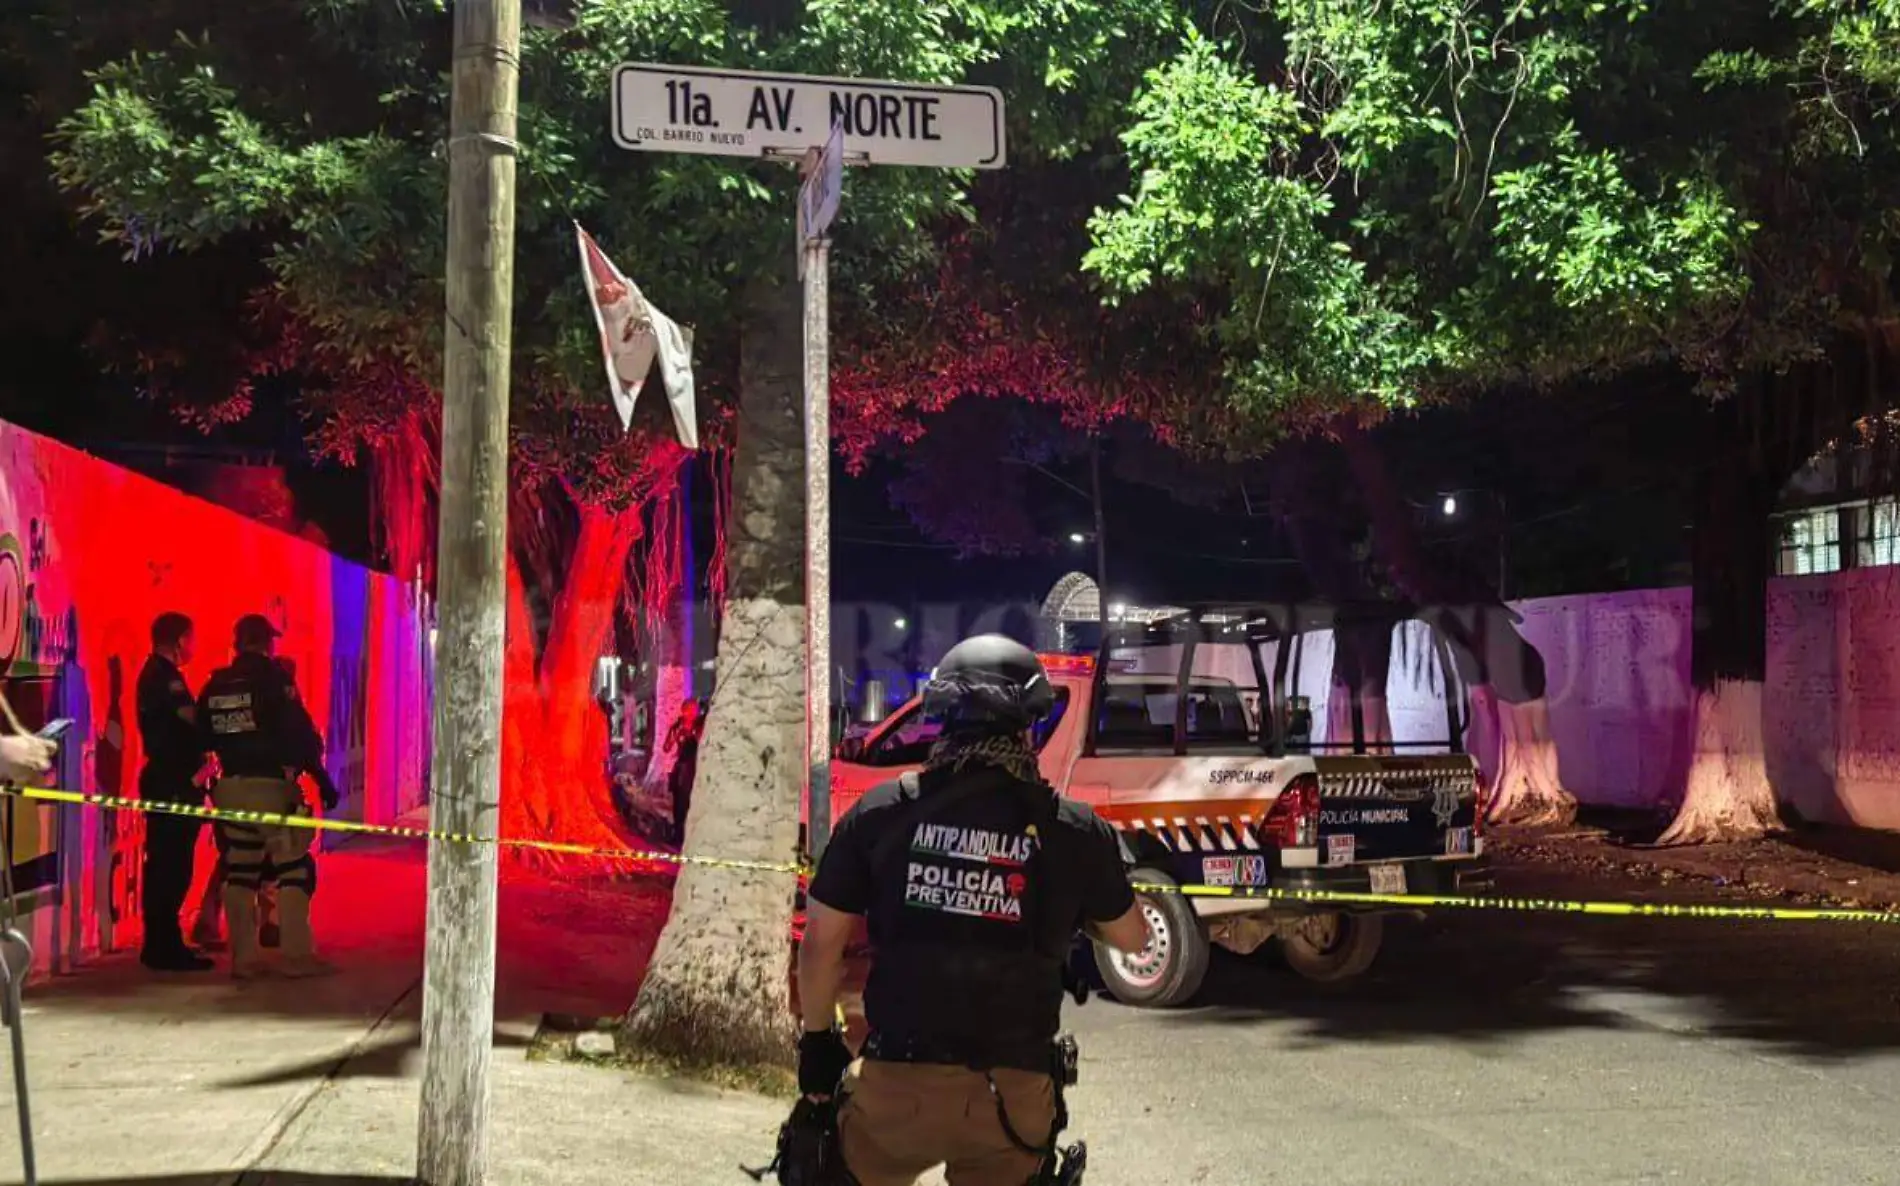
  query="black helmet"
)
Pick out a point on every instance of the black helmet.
point(254, 632)
point(988, 684)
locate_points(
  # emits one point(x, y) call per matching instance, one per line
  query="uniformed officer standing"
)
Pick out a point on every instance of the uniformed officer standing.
point(975, 876)
point(683, 738)
point(264, 739)
point(174, 751)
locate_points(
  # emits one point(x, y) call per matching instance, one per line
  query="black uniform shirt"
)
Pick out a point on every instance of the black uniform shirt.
point(253, 720)
point(954, 895)
point(174, 748)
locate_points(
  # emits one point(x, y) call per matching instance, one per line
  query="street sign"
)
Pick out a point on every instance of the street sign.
point(743, 113)
point(818, 197)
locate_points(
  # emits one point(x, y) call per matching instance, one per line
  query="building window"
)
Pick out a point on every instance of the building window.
point(1879, 533)
point(1810, 543)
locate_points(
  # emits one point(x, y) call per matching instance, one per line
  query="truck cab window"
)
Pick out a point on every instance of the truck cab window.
point(907, 740)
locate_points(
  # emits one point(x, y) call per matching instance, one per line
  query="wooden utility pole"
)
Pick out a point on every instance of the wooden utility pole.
point(823, 178)
point(458, 987)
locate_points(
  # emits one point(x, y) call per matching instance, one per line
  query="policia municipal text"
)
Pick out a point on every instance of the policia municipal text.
point(975, 877)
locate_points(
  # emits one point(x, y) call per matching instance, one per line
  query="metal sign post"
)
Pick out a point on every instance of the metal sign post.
point(749, 114)
point(15, 947)
point(15, 1011)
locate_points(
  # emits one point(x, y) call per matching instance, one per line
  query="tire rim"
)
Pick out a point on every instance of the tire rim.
point(1322, 933)
point(1146, 969)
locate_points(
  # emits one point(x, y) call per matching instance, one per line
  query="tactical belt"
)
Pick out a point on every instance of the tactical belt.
point(1034, 1058)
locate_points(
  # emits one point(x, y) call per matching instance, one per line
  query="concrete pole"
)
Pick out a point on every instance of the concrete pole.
point(817, 254)
point(1101, 537)
point(458, 988)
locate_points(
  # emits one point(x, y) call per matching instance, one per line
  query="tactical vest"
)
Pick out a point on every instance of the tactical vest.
point(243, 708)
point(967, 958)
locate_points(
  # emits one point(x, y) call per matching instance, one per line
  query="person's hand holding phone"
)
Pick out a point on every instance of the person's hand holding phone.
point(24, 758)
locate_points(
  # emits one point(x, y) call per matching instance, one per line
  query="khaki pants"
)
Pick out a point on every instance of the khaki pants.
point(249, 851)
point(900, 1120)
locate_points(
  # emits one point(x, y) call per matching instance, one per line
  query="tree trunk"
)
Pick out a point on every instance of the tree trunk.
point(554, 734)
point(670, 690)
point(1504, 671)
point(718, 990)
point(1727, 795)
point(1361, 657)
point(1526, 787)
point(1362, 660)
point(402, 470)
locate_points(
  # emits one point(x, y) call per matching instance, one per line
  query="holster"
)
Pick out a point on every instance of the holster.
point(1060, 1166)
point(809, 1153)
point(1064, 1166)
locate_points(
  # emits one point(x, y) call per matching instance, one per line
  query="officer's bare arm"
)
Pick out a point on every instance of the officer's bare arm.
point(1129, 933)
point(821, 963)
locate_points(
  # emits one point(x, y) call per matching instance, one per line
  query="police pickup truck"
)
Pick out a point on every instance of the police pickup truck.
point(1192, 737)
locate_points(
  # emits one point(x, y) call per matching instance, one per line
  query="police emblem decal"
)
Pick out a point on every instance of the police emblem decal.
point(1444, 801)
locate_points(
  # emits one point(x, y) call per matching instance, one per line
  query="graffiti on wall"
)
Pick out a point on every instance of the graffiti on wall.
point(90, 554)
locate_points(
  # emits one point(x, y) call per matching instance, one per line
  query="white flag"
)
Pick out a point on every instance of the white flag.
point(818, 197)
point(632, 333)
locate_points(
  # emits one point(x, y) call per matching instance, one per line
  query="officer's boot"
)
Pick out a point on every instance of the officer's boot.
point(293, 917)
point(208, 933)
point(240, 908)
point(269, 933)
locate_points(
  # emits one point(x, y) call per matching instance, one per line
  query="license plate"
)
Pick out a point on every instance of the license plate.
point(1340, 850)
point(1388, 879)
point(1458, 842)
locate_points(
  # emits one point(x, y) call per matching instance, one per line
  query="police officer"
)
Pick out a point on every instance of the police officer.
point(975, 876)
point(174, 751)
point(683, 739)
point(264, 739)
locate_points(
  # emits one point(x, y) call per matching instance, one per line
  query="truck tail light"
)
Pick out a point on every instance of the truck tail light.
point(1293, 820)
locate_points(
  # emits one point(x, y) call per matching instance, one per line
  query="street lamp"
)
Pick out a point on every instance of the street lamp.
point(1449, 508)
point(1078, 538)
point(900, 623)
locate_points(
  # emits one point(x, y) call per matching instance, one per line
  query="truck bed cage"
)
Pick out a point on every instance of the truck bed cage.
point(1278, 627)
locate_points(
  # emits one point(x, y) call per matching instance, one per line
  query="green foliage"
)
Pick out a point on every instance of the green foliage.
point(182, 145)
point(1397, 198)
point(1345, 201)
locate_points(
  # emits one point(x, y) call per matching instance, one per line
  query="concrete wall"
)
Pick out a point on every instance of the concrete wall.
point(1620, 696)
point(89, 554)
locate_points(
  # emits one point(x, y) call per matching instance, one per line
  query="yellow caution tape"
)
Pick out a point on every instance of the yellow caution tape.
point(1535, 905)
point(298, 820)
point(1336, 897)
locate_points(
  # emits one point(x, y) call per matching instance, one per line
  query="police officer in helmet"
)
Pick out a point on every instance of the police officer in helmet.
point(264, 738)
point(975, 876)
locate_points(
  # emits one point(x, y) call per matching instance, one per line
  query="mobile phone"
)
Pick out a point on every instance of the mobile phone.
point(56, 729)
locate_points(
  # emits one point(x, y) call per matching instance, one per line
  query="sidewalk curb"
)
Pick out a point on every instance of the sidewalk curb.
point(286, 1116)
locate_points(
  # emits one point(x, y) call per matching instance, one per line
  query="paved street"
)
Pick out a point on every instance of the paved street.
point(1506, 1048)
point(1520, 1048)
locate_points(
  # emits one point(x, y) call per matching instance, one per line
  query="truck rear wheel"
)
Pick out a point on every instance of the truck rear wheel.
point(1332, 948)
point(1169, 971)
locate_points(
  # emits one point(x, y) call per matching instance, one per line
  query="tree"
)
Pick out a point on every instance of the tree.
point(1818, 81)
point(717, 988)
point(1404, 202)
point(1394, 215)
